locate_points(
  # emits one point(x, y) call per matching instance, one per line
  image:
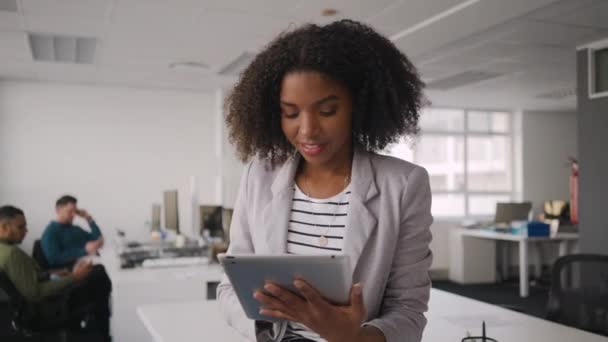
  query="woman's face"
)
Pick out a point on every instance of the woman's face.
point(316, 117)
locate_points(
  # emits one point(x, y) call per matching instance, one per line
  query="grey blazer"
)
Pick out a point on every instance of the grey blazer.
point(387, 237)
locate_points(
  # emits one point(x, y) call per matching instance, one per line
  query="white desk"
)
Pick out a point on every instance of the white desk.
point(563, 239)
point(449, 318)
point(146, 286)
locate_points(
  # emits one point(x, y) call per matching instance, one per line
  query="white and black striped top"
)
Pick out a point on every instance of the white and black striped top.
point(311, 218)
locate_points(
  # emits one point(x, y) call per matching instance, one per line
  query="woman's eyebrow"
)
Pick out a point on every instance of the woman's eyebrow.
point(319, 102)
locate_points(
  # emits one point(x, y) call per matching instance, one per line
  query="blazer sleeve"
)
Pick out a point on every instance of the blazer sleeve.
point(407, 292)
point(240, 242)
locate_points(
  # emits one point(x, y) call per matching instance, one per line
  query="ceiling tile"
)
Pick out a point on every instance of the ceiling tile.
point(68, 8)
point(10, 21)
point(140, 38)
point(560, 8)
point(78, 26)
point(401, 15)
point(14, 46)
point(273, 8)
point(13, 69)
point(548, 34)
point(8, 6)
point(588, 16)
point(351, 9)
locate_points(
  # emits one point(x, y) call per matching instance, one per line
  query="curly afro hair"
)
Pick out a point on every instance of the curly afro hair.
point(385, 87)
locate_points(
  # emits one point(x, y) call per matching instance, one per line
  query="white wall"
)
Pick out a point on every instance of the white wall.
point(548, 140)
point(116, 149)
point(232, 167)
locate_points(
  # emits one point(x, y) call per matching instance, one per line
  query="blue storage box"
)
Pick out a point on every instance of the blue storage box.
point(537, 228)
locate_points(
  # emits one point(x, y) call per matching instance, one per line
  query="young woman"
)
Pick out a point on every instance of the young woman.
point(309, 113)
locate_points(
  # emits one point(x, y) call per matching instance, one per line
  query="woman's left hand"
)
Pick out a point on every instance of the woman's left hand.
point(335, 323)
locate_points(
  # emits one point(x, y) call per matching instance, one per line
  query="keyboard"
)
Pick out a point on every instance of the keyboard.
point(175, 262)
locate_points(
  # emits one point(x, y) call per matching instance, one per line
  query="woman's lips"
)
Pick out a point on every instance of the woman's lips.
point(312, 149)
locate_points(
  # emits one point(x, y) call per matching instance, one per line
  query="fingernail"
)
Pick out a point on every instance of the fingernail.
point(357, 289)
point(298, 284)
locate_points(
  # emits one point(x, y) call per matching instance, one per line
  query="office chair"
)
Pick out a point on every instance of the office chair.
point(27, 324)
point(579, 292)
point(39, 256)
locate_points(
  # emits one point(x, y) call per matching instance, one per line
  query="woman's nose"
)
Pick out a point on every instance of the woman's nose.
point(309, 126)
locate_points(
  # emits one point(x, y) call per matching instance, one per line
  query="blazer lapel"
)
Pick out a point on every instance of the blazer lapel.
point(277, 212)
point(361, 222)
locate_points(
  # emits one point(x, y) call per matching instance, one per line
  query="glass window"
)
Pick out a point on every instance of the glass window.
point(448, 205)
point(601, 70)
point(448, 138)
point(485, 205)
point(488, 122)
point(443, 157)
point(489, 163)
point(446, 120)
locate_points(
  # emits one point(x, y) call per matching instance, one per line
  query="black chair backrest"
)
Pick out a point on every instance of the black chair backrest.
point(16, 302)
point(579, 292)
point(39, 256)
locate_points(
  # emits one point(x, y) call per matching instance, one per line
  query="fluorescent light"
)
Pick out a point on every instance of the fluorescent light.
point(238, 65)
point(189, 66)
point(433, 19)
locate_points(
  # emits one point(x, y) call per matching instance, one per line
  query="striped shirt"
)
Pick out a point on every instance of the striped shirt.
point(312, 218)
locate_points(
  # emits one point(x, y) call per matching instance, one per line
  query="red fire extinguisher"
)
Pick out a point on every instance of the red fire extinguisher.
point(573, 190)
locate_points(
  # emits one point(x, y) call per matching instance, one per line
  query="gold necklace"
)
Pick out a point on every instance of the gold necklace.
point(323, 241)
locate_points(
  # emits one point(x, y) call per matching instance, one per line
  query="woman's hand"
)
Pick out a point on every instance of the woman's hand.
point(335, 323)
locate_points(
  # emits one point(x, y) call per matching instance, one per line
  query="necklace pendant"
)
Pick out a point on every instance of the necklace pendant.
point(323, 241)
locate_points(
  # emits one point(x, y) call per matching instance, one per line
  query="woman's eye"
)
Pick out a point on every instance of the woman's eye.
point(290, 115)
point(328, 112)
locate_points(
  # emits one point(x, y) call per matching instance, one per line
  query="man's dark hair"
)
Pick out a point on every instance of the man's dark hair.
point(65, 200)
point(385, 88)
point(8, 212)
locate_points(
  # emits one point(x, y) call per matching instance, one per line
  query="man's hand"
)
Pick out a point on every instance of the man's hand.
point(61, 272)
point(93, 246)
point(84, 214)
point(82, 269)
point(333, 322)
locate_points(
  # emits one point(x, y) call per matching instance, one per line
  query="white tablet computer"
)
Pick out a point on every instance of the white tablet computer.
point(329, 274)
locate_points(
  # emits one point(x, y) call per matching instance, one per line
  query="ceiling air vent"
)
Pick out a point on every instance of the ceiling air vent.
point(238, 65)
point(62, 49)
point(462, 79)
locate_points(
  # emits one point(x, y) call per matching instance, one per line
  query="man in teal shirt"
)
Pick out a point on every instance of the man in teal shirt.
point(62, 242)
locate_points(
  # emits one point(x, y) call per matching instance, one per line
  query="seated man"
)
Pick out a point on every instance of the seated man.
point(62, 242)
point(25, 274)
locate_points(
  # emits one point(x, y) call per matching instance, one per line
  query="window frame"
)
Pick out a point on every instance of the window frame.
point(466, 133)
point(601, 45)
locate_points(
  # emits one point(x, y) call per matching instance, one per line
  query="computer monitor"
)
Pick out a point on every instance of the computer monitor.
point(211, 220)
point(226, 221)
point(508, 212)
point(171, 211)
point(155, 224)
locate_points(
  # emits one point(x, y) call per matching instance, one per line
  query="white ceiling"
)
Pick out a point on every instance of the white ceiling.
point(529, 45)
